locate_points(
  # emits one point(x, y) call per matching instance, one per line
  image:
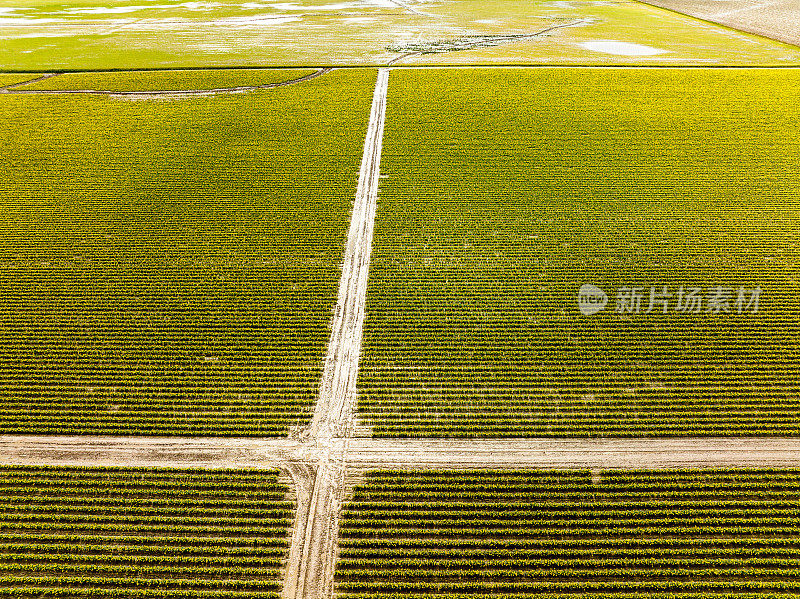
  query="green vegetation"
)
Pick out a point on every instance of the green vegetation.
point(516, 534)
point(96, 34)
point(170, 267)
point(168, 80)
point(12, 78)
point(506, 190)
point(138, 532)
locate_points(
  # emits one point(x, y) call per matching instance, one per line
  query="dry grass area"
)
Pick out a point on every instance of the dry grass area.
point(776, 19)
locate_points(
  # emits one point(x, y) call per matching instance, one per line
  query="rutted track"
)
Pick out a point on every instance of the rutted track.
point(5, 88)
point(314, 541)
point(337, 396)
point(656, 453)
point(300, 460)
point(153, 452)
point(13, 89)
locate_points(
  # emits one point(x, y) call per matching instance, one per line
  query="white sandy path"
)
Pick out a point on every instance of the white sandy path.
point(296, 458)
point(596, 454)
point(152, 452)
point(337, 397)
point(314, 540)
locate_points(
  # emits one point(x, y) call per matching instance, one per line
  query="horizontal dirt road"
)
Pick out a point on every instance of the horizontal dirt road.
point(711, 452)
point(776, 19)
point(364, 454)
point(150, 452)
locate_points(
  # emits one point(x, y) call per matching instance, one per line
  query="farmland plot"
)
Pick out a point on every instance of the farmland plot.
point(170, 267)
point(515, 534)
point(504, 192)
point(136, 532)
point(167, 80)
point(14, 78)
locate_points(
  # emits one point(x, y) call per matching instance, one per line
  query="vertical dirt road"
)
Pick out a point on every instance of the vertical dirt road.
point(336, 402)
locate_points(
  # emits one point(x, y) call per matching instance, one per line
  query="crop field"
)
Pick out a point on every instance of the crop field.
point(97, 34)
point(12, 78)
point(128, 532)
point(170, 266)
point(680, 533)
point(167, 80)
point(487, 227)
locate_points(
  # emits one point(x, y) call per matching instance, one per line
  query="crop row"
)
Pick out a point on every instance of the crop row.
point(517, 533)
point(487, 228)
point(170, 268)
point(133, 529)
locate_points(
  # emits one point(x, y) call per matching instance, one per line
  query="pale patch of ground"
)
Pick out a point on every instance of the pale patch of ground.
point(620, 48)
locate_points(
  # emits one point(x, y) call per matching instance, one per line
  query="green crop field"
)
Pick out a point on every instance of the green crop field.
point(505, 191)
point(170, 266)
point(137, 532)
point(515, 534)
point(168, 80)
point(96, 34)
point(12, 78)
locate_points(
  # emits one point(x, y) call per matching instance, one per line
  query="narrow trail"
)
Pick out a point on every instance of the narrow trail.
point(481, 41)
point(12, 89)
point(5, 88)
point(301, 462)
point(596, 454)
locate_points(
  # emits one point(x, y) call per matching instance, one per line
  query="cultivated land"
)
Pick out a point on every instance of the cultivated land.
point(685, 533)
point(171, 267)
point(124, 532)
point(486, 229)
point(96, 34)
point(12, 78)
point(777, 19)
point(169, 264)
point(167, 80)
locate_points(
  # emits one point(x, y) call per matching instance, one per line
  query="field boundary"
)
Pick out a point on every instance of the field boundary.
point(373, 67)
point(12, 89)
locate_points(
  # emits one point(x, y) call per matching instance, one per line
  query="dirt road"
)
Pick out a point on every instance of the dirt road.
point(699, 452)
point(336, 403)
